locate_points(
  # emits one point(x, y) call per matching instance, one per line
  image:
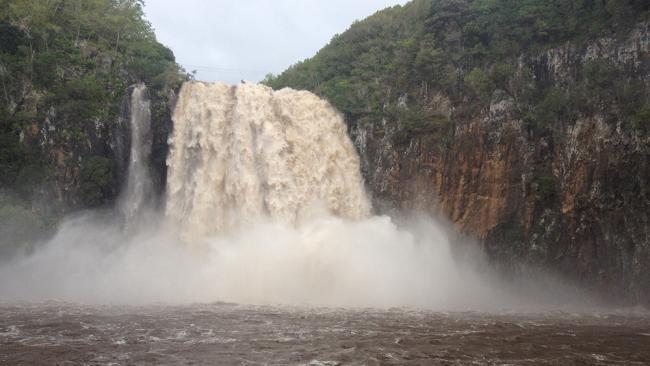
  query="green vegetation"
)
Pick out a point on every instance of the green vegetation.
point(556, 106)
point(20, 225)
point(467, 49)
point(641, 119)
point(545, 187)
point(97, 180)
point(64, 68)
point(417, 121)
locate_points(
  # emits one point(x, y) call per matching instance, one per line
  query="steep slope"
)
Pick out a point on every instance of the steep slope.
point(65, 67)
point(523, 122)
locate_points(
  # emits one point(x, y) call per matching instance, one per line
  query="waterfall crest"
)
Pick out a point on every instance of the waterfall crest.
point(138, 191)
point(240, 153)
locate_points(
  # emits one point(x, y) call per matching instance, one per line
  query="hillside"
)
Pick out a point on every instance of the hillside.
point(523, 122)
point(65, 66)
point(468, 49)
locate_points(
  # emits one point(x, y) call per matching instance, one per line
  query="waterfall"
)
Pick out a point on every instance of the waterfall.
point(243, 153)
point(137, 193)
point(265, 205)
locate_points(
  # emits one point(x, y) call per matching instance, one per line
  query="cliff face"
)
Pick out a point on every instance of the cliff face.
point(119, 140)
point(64, 73)
point(87, 168)
point(574, 198)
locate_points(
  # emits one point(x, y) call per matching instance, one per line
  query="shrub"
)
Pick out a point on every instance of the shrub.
point(479, 82)
point(640, 121)
point(96, 181)
point(418, 122)
point(545, 188)
point(557, 106)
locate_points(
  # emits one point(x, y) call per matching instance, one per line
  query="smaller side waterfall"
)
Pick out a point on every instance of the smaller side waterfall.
point(138, 191)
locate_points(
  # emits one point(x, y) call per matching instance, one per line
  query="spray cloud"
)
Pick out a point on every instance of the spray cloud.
point(265, 204)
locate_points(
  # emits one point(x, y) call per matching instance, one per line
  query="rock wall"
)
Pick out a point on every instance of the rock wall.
point(575, 200)
point(88, 170)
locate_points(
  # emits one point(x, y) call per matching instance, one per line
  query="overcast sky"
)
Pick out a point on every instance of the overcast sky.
point(231, 40)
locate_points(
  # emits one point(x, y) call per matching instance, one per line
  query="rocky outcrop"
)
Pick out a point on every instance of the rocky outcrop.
point(87, 169)
point(574, 198)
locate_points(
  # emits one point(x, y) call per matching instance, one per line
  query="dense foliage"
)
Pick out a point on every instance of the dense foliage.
point(467, 49)
point(64, 68)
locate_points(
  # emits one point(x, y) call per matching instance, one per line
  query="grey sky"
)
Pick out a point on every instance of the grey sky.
point(230, 40)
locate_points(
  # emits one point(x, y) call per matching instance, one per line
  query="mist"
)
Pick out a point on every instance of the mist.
point(325, 261)
point(265, 204)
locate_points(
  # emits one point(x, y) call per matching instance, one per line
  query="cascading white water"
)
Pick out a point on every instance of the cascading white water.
point(245, 152)
point(256, 167)
point(137, 192)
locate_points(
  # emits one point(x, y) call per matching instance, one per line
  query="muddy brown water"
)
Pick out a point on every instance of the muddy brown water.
point(229, 334)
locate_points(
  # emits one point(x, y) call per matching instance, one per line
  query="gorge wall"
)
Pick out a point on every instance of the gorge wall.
point(541, 156)
point(576, 200)
point(530, 134)
point(65, 106)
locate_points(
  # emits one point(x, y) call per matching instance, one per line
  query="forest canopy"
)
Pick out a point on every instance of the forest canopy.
point(464, 48)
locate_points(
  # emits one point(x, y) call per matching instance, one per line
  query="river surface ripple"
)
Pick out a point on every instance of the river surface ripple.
point(229, 334)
